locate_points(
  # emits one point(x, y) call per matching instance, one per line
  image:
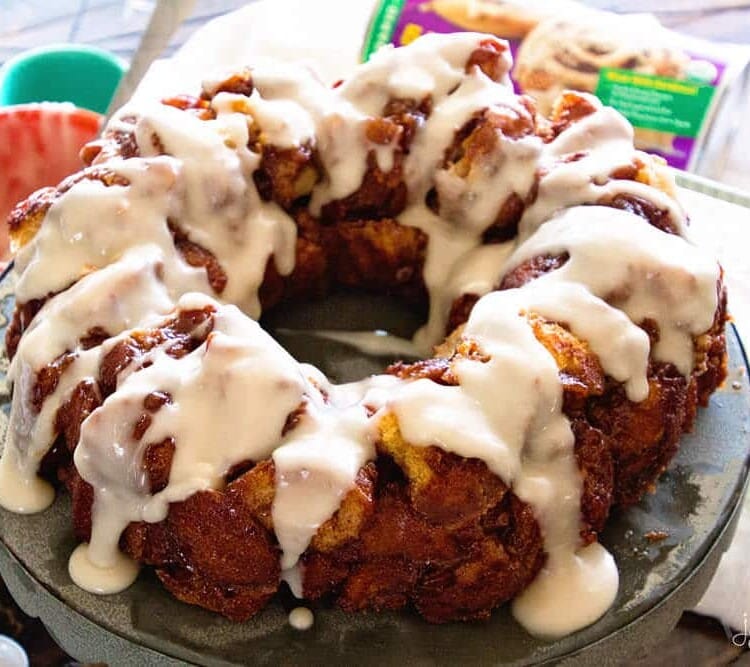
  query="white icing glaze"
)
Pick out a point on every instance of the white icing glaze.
point(446, 249)
point(586, 586)
point(315, 467)
point(477, 271)
point(31, 434)
point(230, 398)
point(301, 618)
point(73, 241)
point(219, 390)
point(284, 122)
point(117, 297)
point(602, 142)
point(220, 208)
point(318, 460)
point(474, 201)
point(19, 491)
point(101, 580)
point(637, 268)
point(433, 65)
point(294, 576)
point(343, 150)
point(514, 403)
point(621, 346)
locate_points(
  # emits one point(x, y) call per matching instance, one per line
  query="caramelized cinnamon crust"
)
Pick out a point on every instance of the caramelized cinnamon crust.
point(378, 255)
point(211, 551)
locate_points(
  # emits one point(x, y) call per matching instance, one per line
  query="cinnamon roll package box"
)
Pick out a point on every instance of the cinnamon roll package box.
point(681, 94)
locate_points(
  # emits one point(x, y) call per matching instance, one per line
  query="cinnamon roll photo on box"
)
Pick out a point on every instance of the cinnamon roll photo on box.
point(679, 93)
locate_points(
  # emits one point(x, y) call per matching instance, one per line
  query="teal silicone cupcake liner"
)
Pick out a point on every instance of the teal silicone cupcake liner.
point(84, 75)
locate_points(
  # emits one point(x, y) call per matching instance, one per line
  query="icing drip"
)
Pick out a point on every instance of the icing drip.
point(569, 593)
point(74, 241)
point(119, 295)
point(318, 461)
point(434, 68)
point(315, 466)
point(101, 580)
point(301, 618)
point(514, 403)
point(238, 382)
point(343, 149)
point(473, 202)
point(304, 461)
point(433, 65)
point(20, 491)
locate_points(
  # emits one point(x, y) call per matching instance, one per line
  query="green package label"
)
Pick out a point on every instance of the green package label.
point(655, 102)
point(382, 26)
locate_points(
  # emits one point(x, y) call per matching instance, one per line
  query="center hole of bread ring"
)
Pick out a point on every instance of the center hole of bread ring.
point(348, 335)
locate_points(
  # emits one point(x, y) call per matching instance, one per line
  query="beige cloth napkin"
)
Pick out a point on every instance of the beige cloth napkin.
point(725, 228)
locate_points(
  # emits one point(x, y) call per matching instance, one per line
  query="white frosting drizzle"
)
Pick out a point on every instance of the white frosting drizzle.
point(514, 405)
point(472, 202)
point(621, 346)
point(343, 148)
point(287, 100)
point(569, 594)
point(21, 491)
point(318, 461)
point(283, 122)
point(101, 580)
point(301, 459)
point(218, 391)
point(117, 297)
point(604, 142)
point(230, 398)
point(301, 618)
point(315, 466)
point(433, 65)
point(513, 402)
point(642, 271)
point(446, 249)
point(223, 214)
point(74, 241)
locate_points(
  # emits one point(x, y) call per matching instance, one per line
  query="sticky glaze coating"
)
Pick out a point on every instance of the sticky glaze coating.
point(583, 330)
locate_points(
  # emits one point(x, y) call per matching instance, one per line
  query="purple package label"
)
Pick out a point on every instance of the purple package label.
point(417, 18)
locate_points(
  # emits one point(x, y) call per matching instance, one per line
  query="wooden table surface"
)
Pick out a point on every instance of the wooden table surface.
point(118, 24)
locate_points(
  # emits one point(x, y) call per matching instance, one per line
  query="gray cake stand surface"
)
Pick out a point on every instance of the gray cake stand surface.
point(696, 504)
